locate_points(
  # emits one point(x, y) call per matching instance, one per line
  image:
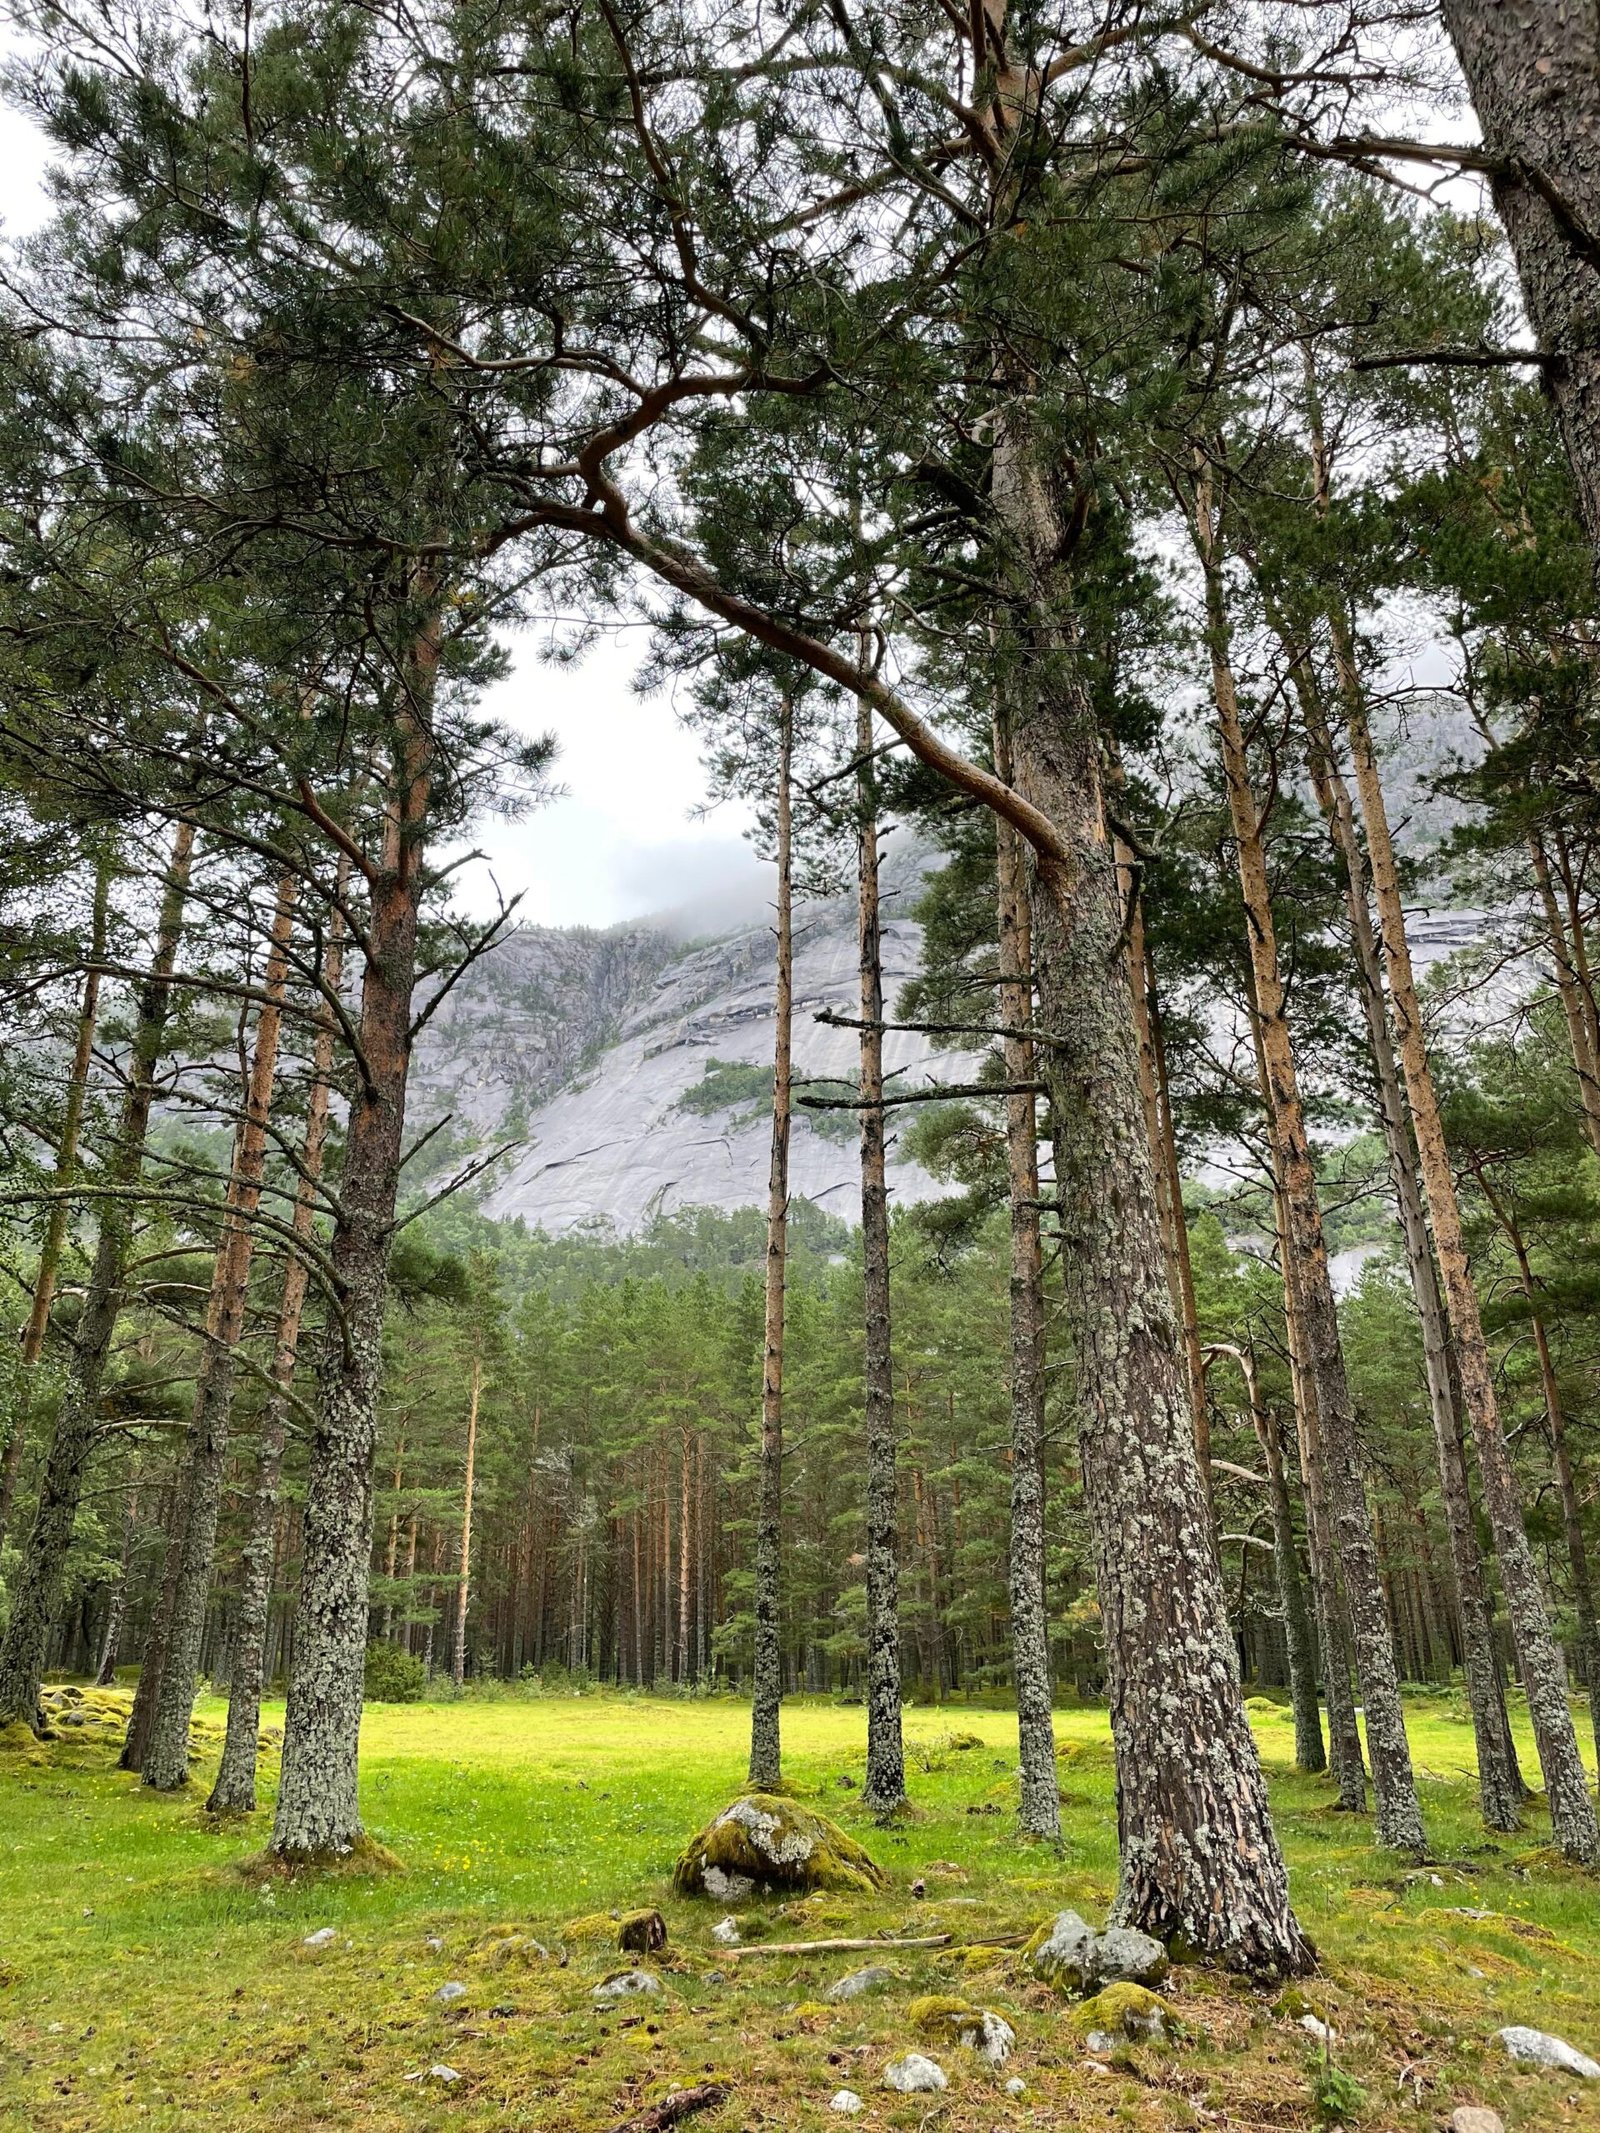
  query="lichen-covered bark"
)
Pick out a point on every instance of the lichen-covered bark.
point(1572, 1812)
point(463, 1594)
point(885, 1788)
point(166, 1760)
point(234, 1791)
point(1199, 1857)
point(36, 1591)
point(1039, 1801)
point(318, 1813)
point(766, 1759)
point(1534, 75)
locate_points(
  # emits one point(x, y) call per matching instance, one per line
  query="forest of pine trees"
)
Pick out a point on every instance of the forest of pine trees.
point(1101, 449)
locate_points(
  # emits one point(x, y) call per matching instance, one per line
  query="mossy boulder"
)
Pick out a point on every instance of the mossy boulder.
point(945, 2019)
point(1128, 2011)
point(641, 1932)
point(504, 1947)
point(1071, 1956)
point(763, 1844)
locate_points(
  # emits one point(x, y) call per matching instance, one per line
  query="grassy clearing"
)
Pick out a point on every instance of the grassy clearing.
point(143, 1984)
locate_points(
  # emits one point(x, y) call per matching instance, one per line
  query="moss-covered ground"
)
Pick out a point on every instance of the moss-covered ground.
point(145, 1983)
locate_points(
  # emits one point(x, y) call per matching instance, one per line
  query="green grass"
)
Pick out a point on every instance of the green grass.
point(143, 1984)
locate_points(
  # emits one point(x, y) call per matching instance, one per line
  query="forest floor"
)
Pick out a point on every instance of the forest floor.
point(144, 1982)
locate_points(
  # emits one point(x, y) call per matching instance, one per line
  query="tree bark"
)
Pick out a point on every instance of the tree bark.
point(1534, 77)
point(1572, 1813)
point(885, 1789)
point(1577, 1003)
point(318, 1813)
point(766, 1765)
point(106, 1671)
point(1039, 1802)
point(1499, 1787)
point(1399, 1816)
point(1199, 1856)
point(37, 1591)
point(165, 1765)
point(458, 1643)
point(55, 1223)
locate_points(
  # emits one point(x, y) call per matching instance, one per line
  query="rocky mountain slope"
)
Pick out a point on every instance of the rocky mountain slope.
point(636, 1071)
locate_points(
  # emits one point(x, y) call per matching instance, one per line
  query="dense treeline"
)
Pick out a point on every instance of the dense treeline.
point(1059, 430)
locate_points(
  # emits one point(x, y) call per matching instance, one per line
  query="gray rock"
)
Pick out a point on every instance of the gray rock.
point(448, 1994)
point(626, 1983)
point(991, 2037)
point(846, 2102)
point(915, 2076)
point(321, 1938)
point(726, 1933)
point(726, 1887)
point(1474, 2118)
point(1100, 2040)
point(874, 1978)
point(1536, 2047)
point(1073, 1957)
point(446, 2074)
point(1016, 2086)
point(1314, 2026)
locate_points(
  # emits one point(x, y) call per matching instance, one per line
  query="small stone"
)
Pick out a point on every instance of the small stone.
point(991, 2037)
point(1474, 2118)
point(1016, 2086)
point(914, 2075)
point(1072, 1957)
point(919, 1887)
point(1124, 1953)
point(726, 1932)
point(449, 1993)
point(1100, 2040)
point(626, 1983)
point(846, 2102)
point(1314, 2026)
point(1536, 2047)
point(321, 1938)
point(443, 2073)
point(874, 1978)
point(726, 1887)
point(434, 1944)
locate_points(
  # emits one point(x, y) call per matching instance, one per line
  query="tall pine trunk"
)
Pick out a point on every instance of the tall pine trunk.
point(1199, 1856)
point(885, 1789)
point(766, 1765)
point(458, 1642)
point(318, 1813)
point(1572, 1812)
point(1399, 1816)
point(165, 1763)
point(1499, 1786)
point(37, 1590)
point(1039, 1802)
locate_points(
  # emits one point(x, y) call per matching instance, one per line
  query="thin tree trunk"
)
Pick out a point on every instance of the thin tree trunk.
point(1572, 1811)
point(885, 1789)
point(55, 1224)
point(106, 1671)
point(685, 1549)
point(1198, 1852)
point(1039, 1802)
point(1570, 991)
point(36, 1593)
point(166, 1761)
point(1399, 1815)
point(235, 1789)
point(458, 1646)
point(1499, 1787)
point(318, 1812)
point(766, 1766)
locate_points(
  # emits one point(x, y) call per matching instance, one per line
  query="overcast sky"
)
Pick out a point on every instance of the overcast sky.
point(621, 840)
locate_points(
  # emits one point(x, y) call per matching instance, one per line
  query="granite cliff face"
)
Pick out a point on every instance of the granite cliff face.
point(635, 1070)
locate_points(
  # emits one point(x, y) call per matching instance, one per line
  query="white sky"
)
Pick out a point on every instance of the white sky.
point(621, 840)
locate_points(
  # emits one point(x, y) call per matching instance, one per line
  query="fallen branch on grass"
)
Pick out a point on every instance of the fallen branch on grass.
point(862, 1947)
point(682, 2103)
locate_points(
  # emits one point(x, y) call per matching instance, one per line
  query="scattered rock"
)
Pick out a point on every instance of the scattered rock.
point(434, 1944)
point(1016, 2086)
point(626, 1983)
point(957, 2021)
point(642, 1932)
point(449, 1993)
point(508, 1945)
point(874, 1978)
point(1474, 2118)
point(914, 2075)
point(1131, 2011)
point(1314, 2026)
point(1070, 1955)
point(446, 2074)
point(726, 1932)
point(322, 1938)
point(1100, 2040)
point(1536, 2047)
point(763, 1841)
point(846, 2102)
point(919, 1888)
